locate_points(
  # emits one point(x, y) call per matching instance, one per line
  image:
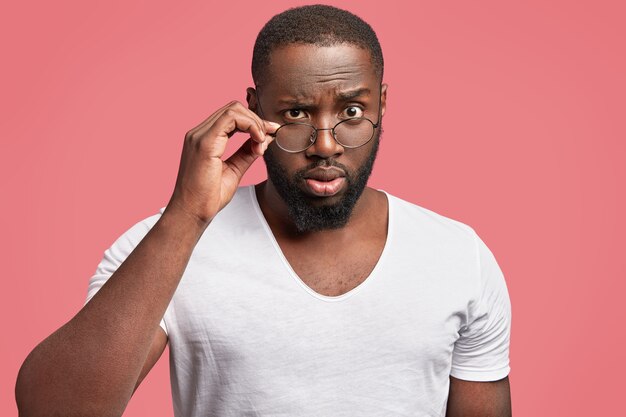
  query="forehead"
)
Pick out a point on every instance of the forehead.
point(311, 70)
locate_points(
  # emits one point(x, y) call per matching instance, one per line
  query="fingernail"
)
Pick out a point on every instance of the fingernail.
point(276, 125)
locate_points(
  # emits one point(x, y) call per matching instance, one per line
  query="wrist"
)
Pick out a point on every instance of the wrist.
point(181, 219)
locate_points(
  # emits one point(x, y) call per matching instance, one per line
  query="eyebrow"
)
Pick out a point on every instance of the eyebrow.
point(342, 95)
point(352, 94)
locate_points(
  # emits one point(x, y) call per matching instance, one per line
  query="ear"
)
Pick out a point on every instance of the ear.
point(251, 99)
point(383, 99)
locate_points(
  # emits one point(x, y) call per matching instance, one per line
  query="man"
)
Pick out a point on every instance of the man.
point(307, 294)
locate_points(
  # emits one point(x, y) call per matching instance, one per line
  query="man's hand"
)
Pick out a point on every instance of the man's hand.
point(205, 182)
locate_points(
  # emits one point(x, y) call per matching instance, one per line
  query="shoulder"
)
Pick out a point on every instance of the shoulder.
point(241, 201)
point(411, 219)
point(134, 234)
point(241, 212)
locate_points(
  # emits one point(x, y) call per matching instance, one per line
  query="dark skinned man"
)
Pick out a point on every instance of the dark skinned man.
point(309, 294)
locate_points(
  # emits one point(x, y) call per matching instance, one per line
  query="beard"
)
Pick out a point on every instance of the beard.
point(309, 217)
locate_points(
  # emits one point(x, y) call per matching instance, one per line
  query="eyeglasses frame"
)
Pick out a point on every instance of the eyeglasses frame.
point(332, 129)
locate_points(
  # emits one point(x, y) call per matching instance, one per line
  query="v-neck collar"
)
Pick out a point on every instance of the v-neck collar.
point(373, 274)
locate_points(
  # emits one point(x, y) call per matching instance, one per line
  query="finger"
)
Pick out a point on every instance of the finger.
point(208, 122)
point(270, 127)
point(226, 121)
point(260, 148)
point(239, 162)
point(245, 110)
point(213, 143)
point(233, 121)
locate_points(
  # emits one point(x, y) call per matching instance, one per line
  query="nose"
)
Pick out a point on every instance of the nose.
point(325, 145)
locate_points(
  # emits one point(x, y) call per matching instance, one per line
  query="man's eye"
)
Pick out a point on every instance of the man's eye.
point(353, 111)
point(294, 114)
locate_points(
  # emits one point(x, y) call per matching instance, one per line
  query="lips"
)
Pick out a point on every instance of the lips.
point(324, 182)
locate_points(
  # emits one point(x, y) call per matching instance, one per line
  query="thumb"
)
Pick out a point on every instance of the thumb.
point(270, 127)
point(242, 159)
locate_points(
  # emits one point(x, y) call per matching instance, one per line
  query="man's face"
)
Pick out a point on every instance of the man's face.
point(320, 86)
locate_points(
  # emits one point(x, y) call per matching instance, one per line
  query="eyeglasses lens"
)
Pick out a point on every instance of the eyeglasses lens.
point(350, 133)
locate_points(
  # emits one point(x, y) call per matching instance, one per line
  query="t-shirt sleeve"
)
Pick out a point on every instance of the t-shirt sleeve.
point(117, 253)
point(481, 353)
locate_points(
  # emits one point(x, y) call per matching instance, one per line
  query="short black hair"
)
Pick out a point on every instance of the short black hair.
point(317, 25)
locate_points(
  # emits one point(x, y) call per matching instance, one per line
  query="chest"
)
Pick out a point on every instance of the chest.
point(334, 271)
point(259, 348)
point(248, 333)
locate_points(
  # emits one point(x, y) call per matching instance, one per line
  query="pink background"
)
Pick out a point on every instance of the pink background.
point(508, 117)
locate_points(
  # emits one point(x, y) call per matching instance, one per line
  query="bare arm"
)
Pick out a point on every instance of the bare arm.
point(156, 350)
point(479, 399)
point(92, 365)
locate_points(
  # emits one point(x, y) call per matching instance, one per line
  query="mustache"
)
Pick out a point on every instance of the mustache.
point(330, 162)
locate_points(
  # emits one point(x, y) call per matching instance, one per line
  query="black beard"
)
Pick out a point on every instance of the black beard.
point(308, 217)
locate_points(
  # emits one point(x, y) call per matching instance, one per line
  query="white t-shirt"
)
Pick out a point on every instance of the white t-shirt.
point(248, 338)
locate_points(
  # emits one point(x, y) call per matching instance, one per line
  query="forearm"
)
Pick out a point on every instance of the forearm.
point(90, 365)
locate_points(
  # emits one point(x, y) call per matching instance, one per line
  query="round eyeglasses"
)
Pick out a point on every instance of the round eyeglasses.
point(296, 137)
